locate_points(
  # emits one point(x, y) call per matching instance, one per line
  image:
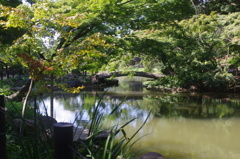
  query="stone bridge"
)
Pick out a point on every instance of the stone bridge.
point(120, 74)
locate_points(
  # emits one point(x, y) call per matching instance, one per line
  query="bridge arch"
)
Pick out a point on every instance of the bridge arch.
point(120, 74)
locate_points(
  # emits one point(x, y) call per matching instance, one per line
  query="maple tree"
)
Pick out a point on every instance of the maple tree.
point(60, 36)
point(45, 46)
point(63, 35)
point(7, 36)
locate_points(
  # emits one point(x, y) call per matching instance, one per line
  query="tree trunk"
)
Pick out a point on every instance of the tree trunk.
point(13, 72)
point(168, 70)
point(26, 98)
point(1, 72)
point(19, 95)
point(7, 71)
point(51, 95)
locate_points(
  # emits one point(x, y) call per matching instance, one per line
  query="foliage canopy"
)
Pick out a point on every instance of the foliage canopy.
point(59, 36)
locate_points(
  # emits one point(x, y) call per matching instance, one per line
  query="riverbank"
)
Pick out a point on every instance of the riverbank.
point(234, 87)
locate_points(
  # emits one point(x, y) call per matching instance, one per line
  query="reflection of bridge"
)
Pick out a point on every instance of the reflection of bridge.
point(119, 74)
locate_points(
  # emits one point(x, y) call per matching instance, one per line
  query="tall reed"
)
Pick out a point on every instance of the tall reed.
point(103, 142)
point(34, 140)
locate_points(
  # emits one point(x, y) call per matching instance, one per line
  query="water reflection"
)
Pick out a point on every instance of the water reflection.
point(181, 126)
point(68, 106)
point(187, 105)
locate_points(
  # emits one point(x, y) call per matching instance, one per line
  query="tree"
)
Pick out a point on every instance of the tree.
point(72, 28)
point(54, 56)
point(58, 35)
point(197, 50)
point(7, 36)
point(151, 16)
point(219, 6)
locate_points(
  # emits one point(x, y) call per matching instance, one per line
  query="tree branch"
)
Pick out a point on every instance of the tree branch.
point(62, 41)
point(80, 34)
point(125, 2)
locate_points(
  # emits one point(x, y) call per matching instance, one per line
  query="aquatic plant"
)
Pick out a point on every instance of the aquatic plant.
point(31, 139)
point(106, 142)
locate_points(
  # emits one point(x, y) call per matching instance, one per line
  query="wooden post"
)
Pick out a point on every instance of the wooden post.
point(63, 140)
point(51, 95)
point(3, 149)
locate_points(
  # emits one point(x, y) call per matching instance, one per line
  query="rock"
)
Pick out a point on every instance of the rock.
point(151, 155)
point(47, 122)
point(26, 127)
point(80, 134)
point(102, 136)
point(74, 83)
point(113, 82)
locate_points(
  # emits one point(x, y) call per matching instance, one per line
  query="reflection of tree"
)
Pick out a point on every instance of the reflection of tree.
point(130, 84)
point(164, 105)
point(193, 106)
point(70, 101)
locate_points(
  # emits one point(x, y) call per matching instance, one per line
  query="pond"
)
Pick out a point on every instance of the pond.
point(180, 126)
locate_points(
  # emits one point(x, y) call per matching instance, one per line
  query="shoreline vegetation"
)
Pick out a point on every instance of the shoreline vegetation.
point(93, 140)
point(16, 92)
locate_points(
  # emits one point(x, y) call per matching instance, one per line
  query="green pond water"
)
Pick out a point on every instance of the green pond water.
point(180, 126)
